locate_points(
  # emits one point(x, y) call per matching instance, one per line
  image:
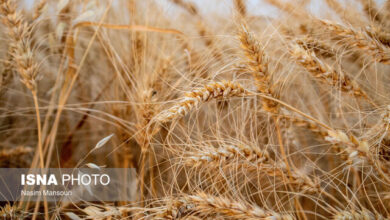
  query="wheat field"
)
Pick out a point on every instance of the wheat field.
point(232, 115)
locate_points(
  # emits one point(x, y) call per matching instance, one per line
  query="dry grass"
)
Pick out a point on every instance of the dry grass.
point(230, 115)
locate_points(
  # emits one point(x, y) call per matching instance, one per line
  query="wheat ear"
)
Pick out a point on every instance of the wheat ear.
point(257, 61)
point(357, 215)
point(14, 152)
point(194, 98)
point(20, 51)
point(256, 160)
point(206, 203)
point(188, 6)
point(19, 32)
point(360, 39)
point(6, 74)
point(299, 122)
point(240, 7)
point(227, 153)
point(320, 48)
point(323, 71)
point(39, 9)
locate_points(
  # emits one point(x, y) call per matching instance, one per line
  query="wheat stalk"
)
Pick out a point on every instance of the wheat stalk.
point(19, 32)
point(191, 100)
point(320, 48)
point(39, 9)
point(6, 74)
point(360, 39)
point(206, 203)
point(226, 154)
point(357, 215)
point(323, 71)
point(240, 7)
point(258, 61)
point(350, 144)
point(188, 6)
point(23, 56)
point(306, 124)
point(251, 159)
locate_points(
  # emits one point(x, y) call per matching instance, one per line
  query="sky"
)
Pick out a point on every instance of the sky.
point(254, 7)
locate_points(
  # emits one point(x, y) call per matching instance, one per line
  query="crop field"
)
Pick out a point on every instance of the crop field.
point(231, 109)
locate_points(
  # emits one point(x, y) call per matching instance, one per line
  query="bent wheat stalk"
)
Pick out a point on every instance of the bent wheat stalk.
point(224, 89)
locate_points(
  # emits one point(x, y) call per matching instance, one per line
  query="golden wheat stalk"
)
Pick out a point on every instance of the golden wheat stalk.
point(327, 74)
point(225, 154)
point(258, 61)
point(321, 48)
point(357, 215)
point(23, 57)
point(240, 7)
point(298, 180)
point(19, 32)
point(224, 89)
point(6, 74)
point(361, 40)
point(358, 151)
point(206, 203)
point(188, 6)
point(251, 160)
point(299, 122)
point(39, 9)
